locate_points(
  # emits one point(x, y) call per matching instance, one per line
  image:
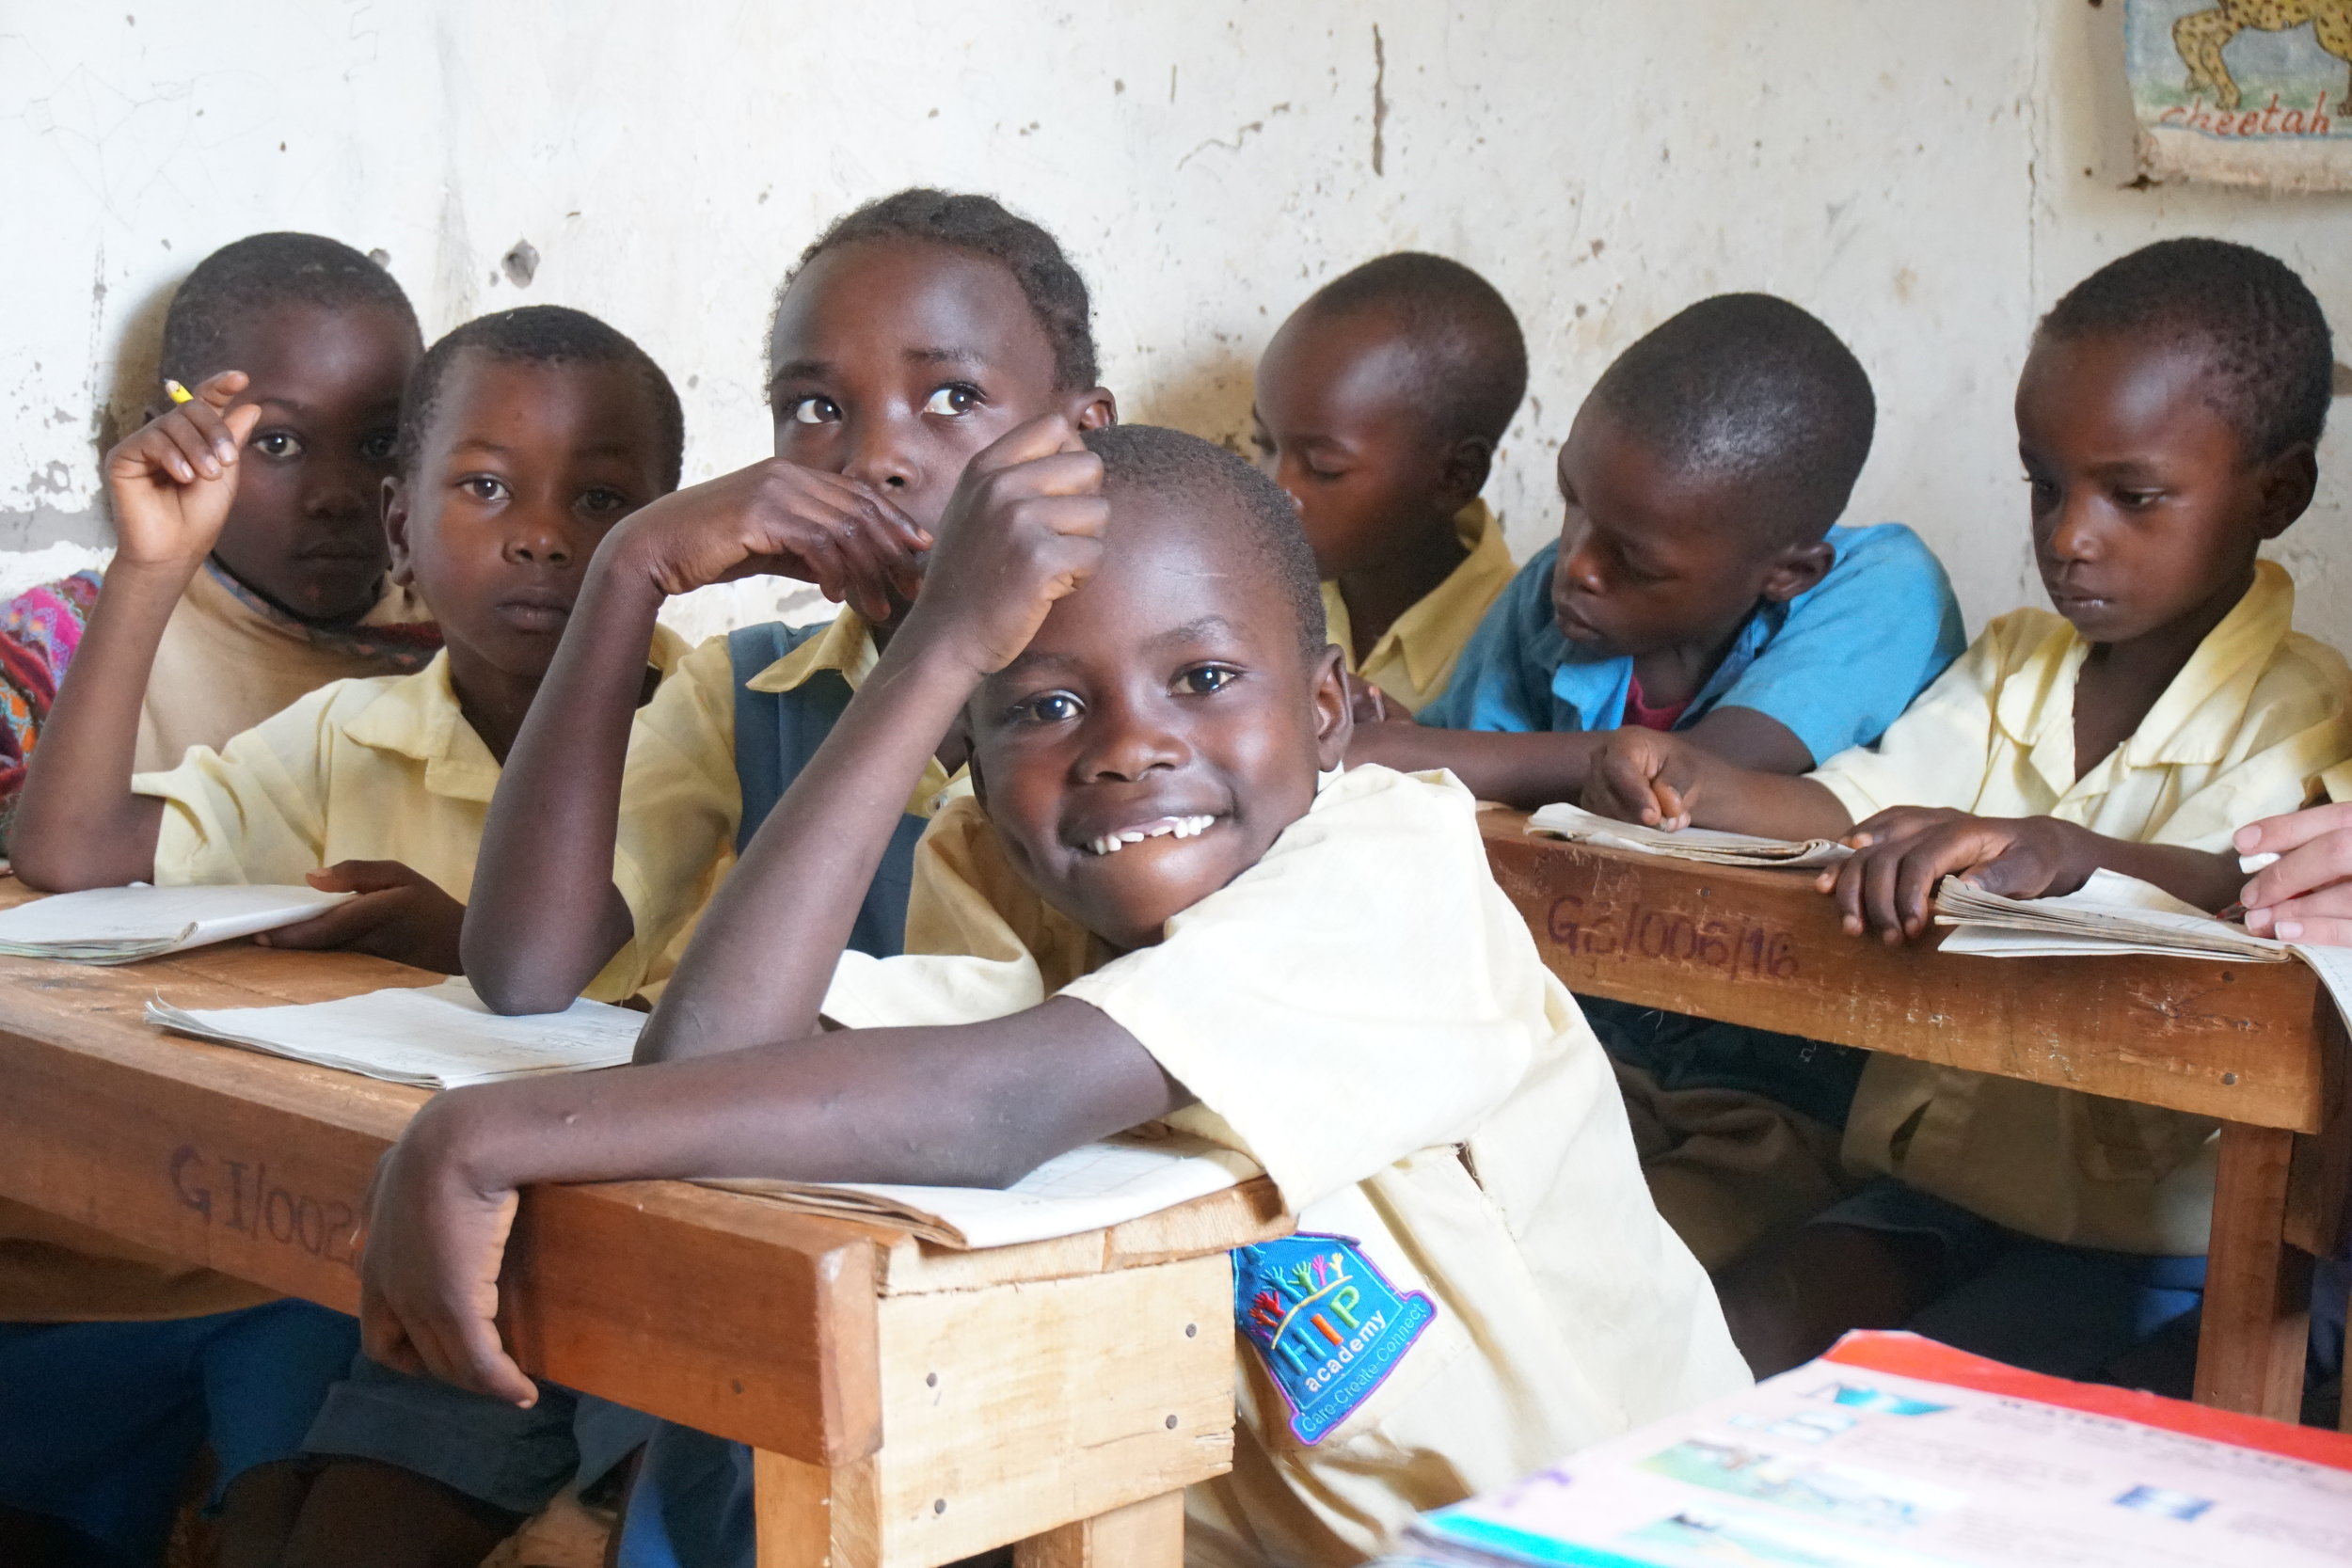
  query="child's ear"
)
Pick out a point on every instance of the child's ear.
point(1796, 569)
point(962, 734)
point(396, 532)
point(1093, 409)
point(1463, 470)
point(1335, 725)
point(2287, 485)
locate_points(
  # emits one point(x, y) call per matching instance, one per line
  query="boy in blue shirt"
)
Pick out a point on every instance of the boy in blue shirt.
point(1698, 584)
point(1701, 585)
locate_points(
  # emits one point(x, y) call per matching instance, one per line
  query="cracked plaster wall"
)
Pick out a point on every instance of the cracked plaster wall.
point(1926, 177)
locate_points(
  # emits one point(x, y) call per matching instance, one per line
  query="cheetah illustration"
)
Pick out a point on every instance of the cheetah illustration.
point(2201, 36)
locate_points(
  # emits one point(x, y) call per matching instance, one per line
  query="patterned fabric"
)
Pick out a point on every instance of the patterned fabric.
point(406, 646)
point(40, 630)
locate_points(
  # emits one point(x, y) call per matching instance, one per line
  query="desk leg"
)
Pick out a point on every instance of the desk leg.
point(1149, 1534)
point(808, 1516)
point(2250, 1353)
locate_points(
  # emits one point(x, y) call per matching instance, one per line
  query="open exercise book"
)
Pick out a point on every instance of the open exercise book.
point(442, 1038)
point(121, 925)
point(1092, 1187)
point(2113, 913)
point(1706, 846)
point(1893, 1451)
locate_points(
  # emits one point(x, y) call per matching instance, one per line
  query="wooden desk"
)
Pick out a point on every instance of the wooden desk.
point(2258, 1046)
point(910, 1405)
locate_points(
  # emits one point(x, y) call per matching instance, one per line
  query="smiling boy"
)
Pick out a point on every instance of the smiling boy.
point(1148, 909)
point(2168, 419)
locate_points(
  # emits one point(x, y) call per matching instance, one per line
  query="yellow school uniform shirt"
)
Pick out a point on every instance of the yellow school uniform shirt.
point(224, 666)
point(1414, 659)
point(680, 799)
point(2245, 730)
point(1363, 1013)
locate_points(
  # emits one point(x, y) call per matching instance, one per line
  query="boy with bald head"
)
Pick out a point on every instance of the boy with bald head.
point(1155, 907)
point(1379, 407)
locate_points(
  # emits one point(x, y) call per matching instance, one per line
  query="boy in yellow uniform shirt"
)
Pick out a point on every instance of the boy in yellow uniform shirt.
point(2168, 419)
point(1151, 908)
point(1379, 407)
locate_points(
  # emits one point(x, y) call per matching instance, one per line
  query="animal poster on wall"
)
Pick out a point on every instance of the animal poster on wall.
point(2243, 92)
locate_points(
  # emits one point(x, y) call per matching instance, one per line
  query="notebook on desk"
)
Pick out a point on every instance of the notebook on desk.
point(1704, 845)
point(122, 924)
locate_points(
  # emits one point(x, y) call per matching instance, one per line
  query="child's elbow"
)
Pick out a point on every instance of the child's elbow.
point(513, 995)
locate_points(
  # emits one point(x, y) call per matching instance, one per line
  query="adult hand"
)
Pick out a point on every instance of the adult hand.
point(2306, 894)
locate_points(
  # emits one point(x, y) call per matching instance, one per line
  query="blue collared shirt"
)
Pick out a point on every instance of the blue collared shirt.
point(1836, 664)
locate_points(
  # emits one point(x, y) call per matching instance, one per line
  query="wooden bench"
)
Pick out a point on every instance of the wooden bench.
point(2258, 1046)
point(909, 1406)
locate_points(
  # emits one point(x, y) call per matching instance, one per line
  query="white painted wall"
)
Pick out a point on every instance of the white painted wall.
point(1926, 175)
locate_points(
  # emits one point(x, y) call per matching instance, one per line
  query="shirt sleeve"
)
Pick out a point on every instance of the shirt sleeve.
point(1855, 650)
point(255, 811)
point(1347, 1000)
point(679, 800)
point(1502, 681)
point(1937, 754)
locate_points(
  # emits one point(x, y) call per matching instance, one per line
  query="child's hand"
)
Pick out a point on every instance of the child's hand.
point(1023, 529)
point(172, 478)
point(1643, 776)
point(1888, 885)
point(777, 518)
point(2306, 894)
point(1366, 704)
point(395, 913)
point(429, 1263)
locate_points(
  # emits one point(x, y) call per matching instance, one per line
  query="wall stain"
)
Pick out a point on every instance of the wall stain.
point(1379, 99)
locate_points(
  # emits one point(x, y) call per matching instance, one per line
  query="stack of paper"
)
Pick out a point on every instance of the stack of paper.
point(119, 924)
point(2110, 913)
point(434, 1036)
point(1893, 1451)
point(1090, 1188)
point(1706, 846)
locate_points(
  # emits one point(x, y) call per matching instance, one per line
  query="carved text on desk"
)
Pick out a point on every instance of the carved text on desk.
point(1736, 947)
point(239, 1196)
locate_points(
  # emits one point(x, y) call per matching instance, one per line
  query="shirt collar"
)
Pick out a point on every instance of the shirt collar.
point(846, 646)
point(1429, 635)
point(2193, 721)
point(417, 716)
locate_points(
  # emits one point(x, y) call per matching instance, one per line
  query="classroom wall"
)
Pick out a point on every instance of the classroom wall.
point(1927, 177)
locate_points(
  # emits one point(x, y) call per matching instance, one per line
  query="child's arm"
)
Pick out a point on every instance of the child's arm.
point(545, 916)
point(1669, 781)
point(974, 1104)
point(171, 482)
point(1531, 770)
point(1889, 883)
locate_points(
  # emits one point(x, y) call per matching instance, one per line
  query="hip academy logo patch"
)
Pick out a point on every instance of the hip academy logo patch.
point(1327, 1324)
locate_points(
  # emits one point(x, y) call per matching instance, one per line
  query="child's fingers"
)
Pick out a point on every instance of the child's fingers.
point(1881, 874)
point(339, 925)
point(1042, 436)
point(362, 876)
point(1915, 888)
point(218, 391)
point(210, 426)
point(1846, 889)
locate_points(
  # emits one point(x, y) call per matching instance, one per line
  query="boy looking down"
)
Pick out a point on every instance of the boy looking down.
point(1148, 909)
point(1379, 407)
point(2168, 419)
point(1698, 585)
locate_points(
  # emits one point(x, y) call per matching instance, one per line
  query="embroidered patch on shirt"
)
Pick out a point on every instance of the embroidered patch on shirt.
point(1327, 1324)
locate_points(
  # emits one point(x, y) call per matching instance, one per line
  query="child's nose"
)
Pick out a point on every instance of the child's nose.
point(884, 463)
point(541, 540)
point(1130, 742)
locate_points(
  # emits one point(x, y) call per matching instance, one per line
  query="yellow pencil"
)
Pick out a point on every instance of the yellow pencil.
point(177, 392)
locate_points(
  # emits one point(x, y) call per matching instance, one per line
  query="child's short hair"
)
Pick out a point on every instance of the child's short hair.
point(980, 225)
point(2271, 361)
point(1750, 388)
point(1459, 330)
point(1170, 463)
point(263, 270)
point(539, 335)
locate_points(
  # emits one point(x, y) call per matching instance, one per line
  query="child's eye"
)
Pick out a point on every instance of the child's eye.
point(953, 399)
point(378, 447)
point(1051, 708)
point(484, 488)
point(280, 444)
point(814, 409)
point(1204, 680)
point(2138, 500)
point(1325, 476)
point(601, 499)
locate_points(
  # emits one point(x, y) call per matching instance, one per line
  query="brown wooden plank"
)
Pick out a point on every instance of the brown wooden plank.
point(812, 1515)
point(733, 1316)
point(2257, 1312)
point(2229, 1040)
point(1149, 1534)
